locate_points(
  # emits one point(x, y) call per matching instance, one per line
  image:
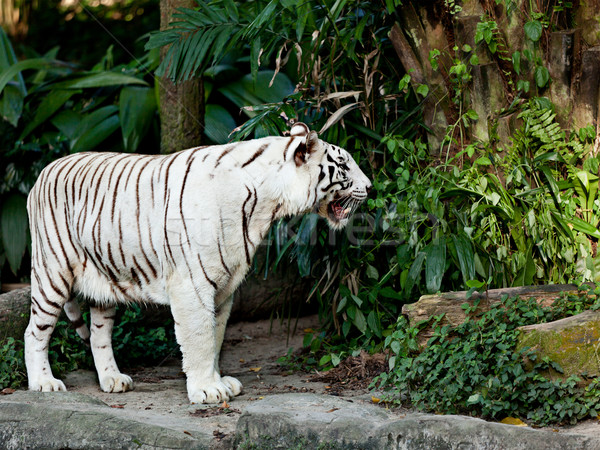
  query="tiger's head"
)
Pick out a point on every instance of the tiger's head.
point(340, 184)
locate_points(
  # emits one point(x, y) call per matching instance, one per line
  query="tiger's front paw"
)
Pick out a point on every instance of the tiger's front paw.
point(234, 385)
point(214, 391)
point(49, 384)
point(117, 382)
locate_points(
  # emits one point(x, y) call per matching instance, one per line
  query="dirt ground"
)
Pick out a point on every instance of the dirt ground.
point(250, 353)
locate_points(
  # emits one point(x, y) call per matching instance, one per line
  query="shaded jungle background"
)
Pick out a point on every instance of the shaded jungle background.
point(476, 119)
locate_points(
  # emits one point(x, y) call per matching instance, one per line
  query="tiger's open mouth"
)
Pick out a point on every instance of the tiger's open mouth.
point(337, 211)
point(340, 209)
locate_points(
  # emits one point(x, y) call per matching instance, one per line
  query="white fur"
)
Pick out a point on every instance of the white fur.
point(176, 229)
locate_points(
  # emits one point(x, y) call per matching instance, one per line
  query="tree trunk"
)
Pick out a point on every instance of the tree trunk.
point(181, 105)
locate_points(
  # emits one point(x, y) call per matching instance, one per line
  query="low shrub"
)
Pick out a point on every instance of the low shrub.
point(475, 369)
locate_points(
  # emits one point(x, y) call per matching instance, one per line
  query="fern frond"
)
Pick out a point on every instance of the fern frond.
point(200, 37)
point(197, 38)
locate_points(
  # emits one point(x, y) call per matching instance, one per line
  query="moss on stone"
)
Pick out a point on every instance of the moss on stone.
point(573, 343)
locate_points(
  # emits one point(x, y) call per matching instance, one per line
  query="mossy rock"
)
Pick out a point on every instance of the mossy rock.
point(572, 342)
point(14, 313)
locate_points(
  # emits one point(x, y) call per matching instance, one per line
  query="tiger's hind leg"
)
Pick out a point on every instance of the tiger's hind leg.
point(49, 292)
point(73, 312)
point(111, 379)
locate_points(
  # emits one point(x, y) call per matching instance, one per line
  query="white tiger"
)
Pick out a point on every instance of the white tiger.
point(177, 229)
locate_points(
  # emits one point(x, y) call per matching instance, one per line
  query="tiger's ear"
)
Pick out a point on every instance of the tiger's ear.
point(304, 151)
point(299, 129)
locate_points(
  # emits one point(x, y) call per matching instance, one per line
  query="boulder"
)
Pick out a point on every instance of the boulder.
point(311, 421)
point(450, 303)
point(14, 313)
point(55, 420)
point(571, 342)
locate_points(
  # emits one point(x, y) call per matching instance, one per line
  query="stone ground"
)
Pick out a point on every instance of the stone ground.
point(276, 410)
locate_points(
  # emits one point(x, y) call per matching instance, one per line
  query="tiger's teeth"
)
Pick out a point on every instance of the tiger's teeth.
point(347, 211)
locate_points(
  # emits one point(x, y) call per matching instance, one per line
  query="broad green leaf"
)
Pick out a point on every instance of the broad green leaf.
point(542, 76)
point(14, 225)
point(584, 227)
point(533, 30)
point(562, 225)
point(96, 80)
point(528, 271)
point(586, 187)
point(13, 71)
point(48, 106)
point(357, 300)
point(245, 92)
point(8, 59)
point(304, 11)
point(422, 90)
point(435, 264)
point(413, 273)
point(218, 124)
point(372, 272)
point(67, 122)
point(552, 184)
point(11, 104)
point(474, 399)
point(516, 60)
point(325, 359)
point(475, 284)
point(137, 106)
point(335, 359)
point(464, 252)
point(359, 321)
point(373, 324)
point(95, 128)
point(389, 292)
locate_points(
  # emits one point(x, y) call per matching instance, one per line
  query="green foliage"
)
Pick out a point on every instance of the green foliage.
point(134, 343)
point(476, 219)
point(12, 364)
point(52, 108)
point(475, 369)
point(487, 31)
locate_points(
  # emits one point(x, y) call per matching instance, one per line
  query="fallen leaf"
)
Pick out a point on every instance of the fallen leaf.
point(7, 391)
point(225, 405)
point(118, 406)
point(332, 410)
point(242, 360)
point(513, 421)
point(254, 369)
point(375, 399)
point(187, 432)
point(309, 330)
